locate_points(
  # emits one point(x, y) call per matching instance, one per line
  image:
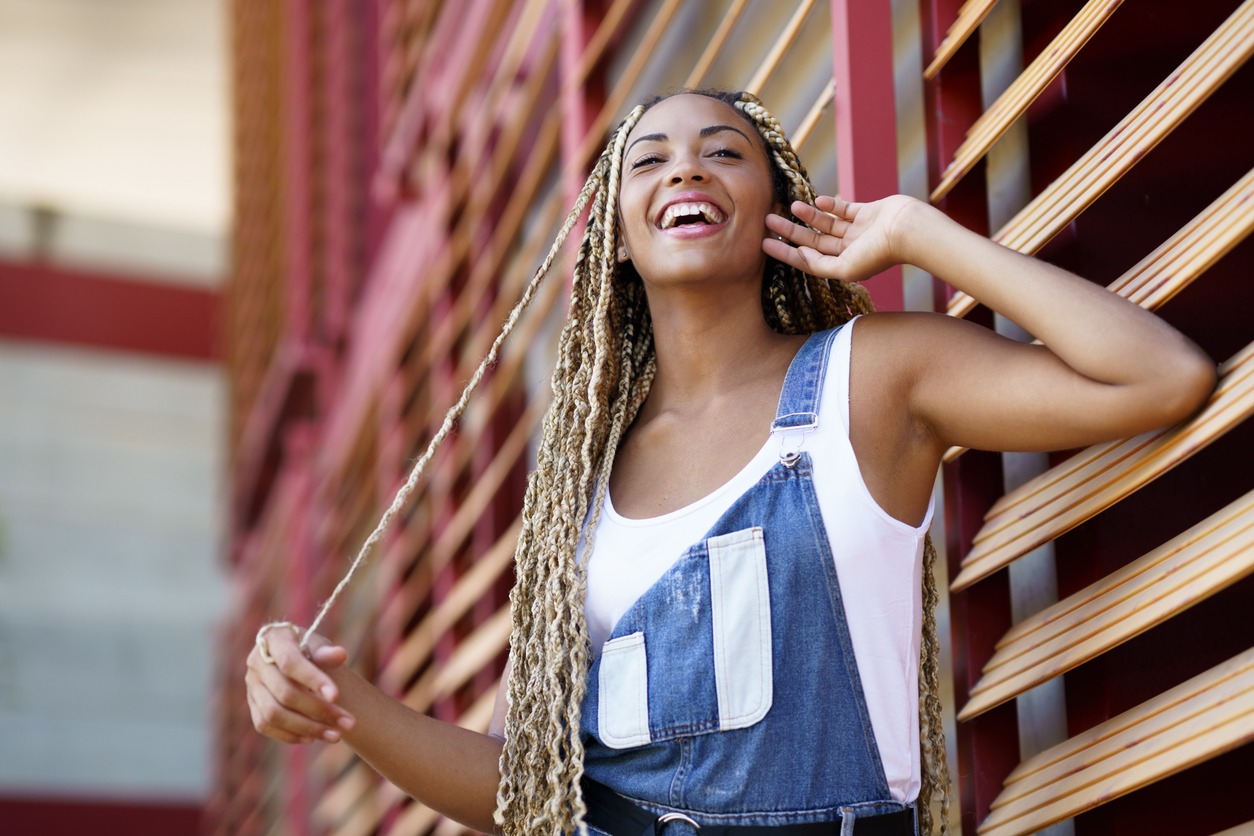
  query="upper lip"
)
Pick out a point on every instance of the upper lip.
point(687, 197)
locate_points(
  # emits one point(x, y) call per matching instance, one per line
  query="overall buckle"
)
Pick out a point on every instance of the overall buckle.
point(660, 824)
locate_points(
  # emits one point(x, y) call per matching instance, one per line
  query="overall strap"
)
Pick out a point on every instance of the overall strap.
point(798, 412)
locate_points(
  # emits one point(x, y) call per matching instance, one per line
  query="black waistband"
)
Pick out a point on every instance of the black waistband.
point(610, 812)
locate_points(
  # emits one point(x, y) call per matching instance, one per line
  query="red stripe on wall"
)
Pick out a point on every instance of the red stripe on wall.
point(71, 817)
point(52, 304)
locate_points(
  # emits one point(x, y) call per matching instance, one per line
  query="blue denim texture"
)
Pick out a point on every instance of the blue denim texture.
point(813, 756)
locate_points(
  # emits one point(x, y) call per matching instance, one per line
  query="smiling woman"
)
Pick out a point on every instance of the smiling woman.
point(724, 584)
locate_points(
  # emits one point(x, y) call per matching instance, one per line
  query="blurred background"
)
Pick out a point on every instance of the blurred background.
point(251, 250)
point(115, 212)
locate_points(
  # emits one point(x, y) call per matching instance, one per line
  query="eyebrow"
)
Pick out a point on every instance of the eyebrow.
point(707, 131)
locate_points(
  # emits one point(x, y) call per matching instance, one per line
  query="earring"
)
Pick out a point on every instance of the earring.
point(623, 255)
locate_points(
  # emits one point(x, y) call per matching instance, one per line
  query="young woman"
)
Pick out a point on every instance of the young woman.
point(718, 617)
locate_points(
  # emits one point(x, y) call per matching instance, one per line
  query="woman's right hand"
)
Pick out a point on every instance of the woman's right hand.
point(293, 699)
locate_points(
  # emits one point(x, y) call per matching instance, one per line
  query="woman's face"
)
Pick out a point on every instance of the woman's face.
point(696, 188)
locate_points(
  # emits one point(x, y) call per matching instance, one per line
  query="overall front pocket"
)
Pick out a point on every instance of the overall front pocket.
point(693, 655)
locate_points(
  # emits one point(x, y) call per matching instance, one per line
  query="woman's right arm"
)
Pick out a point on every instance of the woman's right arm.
point(300, 699)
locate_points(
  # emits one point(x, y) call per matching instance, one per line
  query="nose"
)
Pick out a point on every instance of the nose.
point(688, 168)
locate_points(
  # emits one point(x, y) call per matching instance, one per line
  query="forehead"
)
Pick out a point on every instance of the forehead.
point(687, 112)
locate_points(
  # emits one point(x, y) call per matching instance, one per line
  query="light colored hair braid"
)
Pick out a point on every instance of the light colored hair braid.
point(604, 354)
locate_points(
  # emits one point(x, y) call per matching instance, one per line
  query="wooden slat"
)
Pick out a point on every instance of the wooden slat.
point(1190, 252)
point(415, 819)
point(473, 653)
point(970, 16)
point(487, 399)
point(780, 48)
point(595, 48)
point(1127, 143)
point(1011, 104)
point(1210, 714)
point(520, 207)
point(1174, 264)
point(623, 86)
point(485, 39)
point(338, 799)
point(358, 800)
point(419, 642)
point(716, 44)
point(1207, 558)
point(1096, 478)
point(509, 103)
point(811, 119)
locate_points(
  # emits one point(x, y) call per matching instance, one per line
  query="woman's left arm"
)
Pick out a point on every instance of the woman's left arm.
point(1107, 368)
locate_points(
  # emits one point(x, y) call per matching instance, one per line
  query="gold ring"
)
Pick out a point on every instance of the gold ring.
point(262, 648)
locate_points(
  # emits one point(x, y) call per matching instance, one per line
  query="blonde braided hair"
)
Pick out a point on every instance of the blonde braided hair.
point(605, 366)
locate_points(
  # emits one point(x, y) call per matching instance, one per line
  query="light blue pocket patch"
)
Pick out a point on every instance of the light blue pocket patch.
point(623, 714)
point(741, 607)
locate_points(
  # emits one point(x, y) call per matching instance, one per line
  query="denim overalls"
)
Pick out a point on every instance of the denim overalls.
point(729, 690)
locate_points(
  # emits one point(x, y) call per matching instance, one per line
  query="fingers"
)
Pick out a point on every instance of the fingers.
point(803, 236)
point(819, 229)
point(842, 209)
point(292, 700)
point(275, 722)
point(295, 665)
point(806, 259)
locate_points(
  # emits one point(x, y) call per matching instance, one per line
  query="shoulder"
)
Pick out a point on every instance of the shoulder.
point(900, 345)
point(890, 344)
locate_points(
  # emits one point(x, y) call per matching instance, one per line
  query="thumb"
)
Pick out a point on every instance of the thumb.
point(323, 653)
point(329, 656)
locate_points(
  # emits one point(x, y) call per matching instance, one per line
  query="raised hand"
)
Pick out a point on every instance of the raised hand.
point(839, 239)
point(292, 699)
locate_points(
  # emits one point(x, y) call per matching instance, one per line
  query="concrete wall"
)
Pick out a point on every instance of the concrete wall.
point(110, 474)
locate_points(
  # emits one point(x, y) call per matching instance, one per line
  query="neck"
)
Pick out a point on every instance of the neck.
point(708, 344)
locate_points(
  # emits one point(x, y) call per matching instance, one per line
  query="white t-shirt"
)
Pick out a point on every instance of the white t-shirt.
point(878, 562)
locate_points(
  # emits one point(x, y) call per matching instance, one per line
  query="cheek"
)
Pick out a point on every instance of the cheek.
point(629, 212)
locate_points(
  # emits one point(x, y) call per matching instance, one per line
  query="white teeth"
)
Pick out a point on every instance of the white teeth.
point(676, 211)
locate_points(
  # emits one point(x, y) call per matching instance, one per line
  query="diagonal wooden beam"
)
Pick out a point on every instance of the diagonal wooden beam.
point(1186, 255)
point(777, 51)
point(1026, 88)
point(1097, 478)
point(1204, 717)
point(970, 16)
point(716, 44)
point(1209, 557)
point(1190, 84)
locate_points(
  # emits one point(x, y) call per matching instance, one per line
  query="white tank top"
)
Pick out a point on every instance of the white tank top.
point(878, 562)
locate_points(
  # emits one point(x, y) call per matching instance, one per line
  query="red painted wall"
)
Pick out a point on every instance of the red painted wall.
point(54, 304)
point(63, 817)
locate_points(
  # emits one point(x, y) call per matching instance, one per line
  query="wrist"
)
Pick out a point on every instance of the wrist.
point(914, 226)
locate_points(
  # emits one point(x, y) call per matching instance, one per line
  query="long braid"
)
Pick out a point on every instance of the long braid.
point(935, 773)
point(595, 398)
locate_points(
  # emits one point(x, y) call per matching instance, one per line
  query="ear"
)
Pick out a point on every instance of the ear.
point(623, 254)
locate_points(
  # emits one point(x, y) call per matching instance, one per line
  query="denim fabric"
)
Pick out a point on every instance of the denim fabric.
point(729, 690)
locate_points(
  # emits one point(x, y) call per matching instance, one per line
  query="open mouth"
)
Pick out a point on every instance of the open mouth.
point(697, 213)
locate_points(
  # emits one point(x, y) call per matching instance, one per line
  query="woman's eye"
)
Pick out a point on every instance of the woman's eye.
point(649, 159)
point(728, 152)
